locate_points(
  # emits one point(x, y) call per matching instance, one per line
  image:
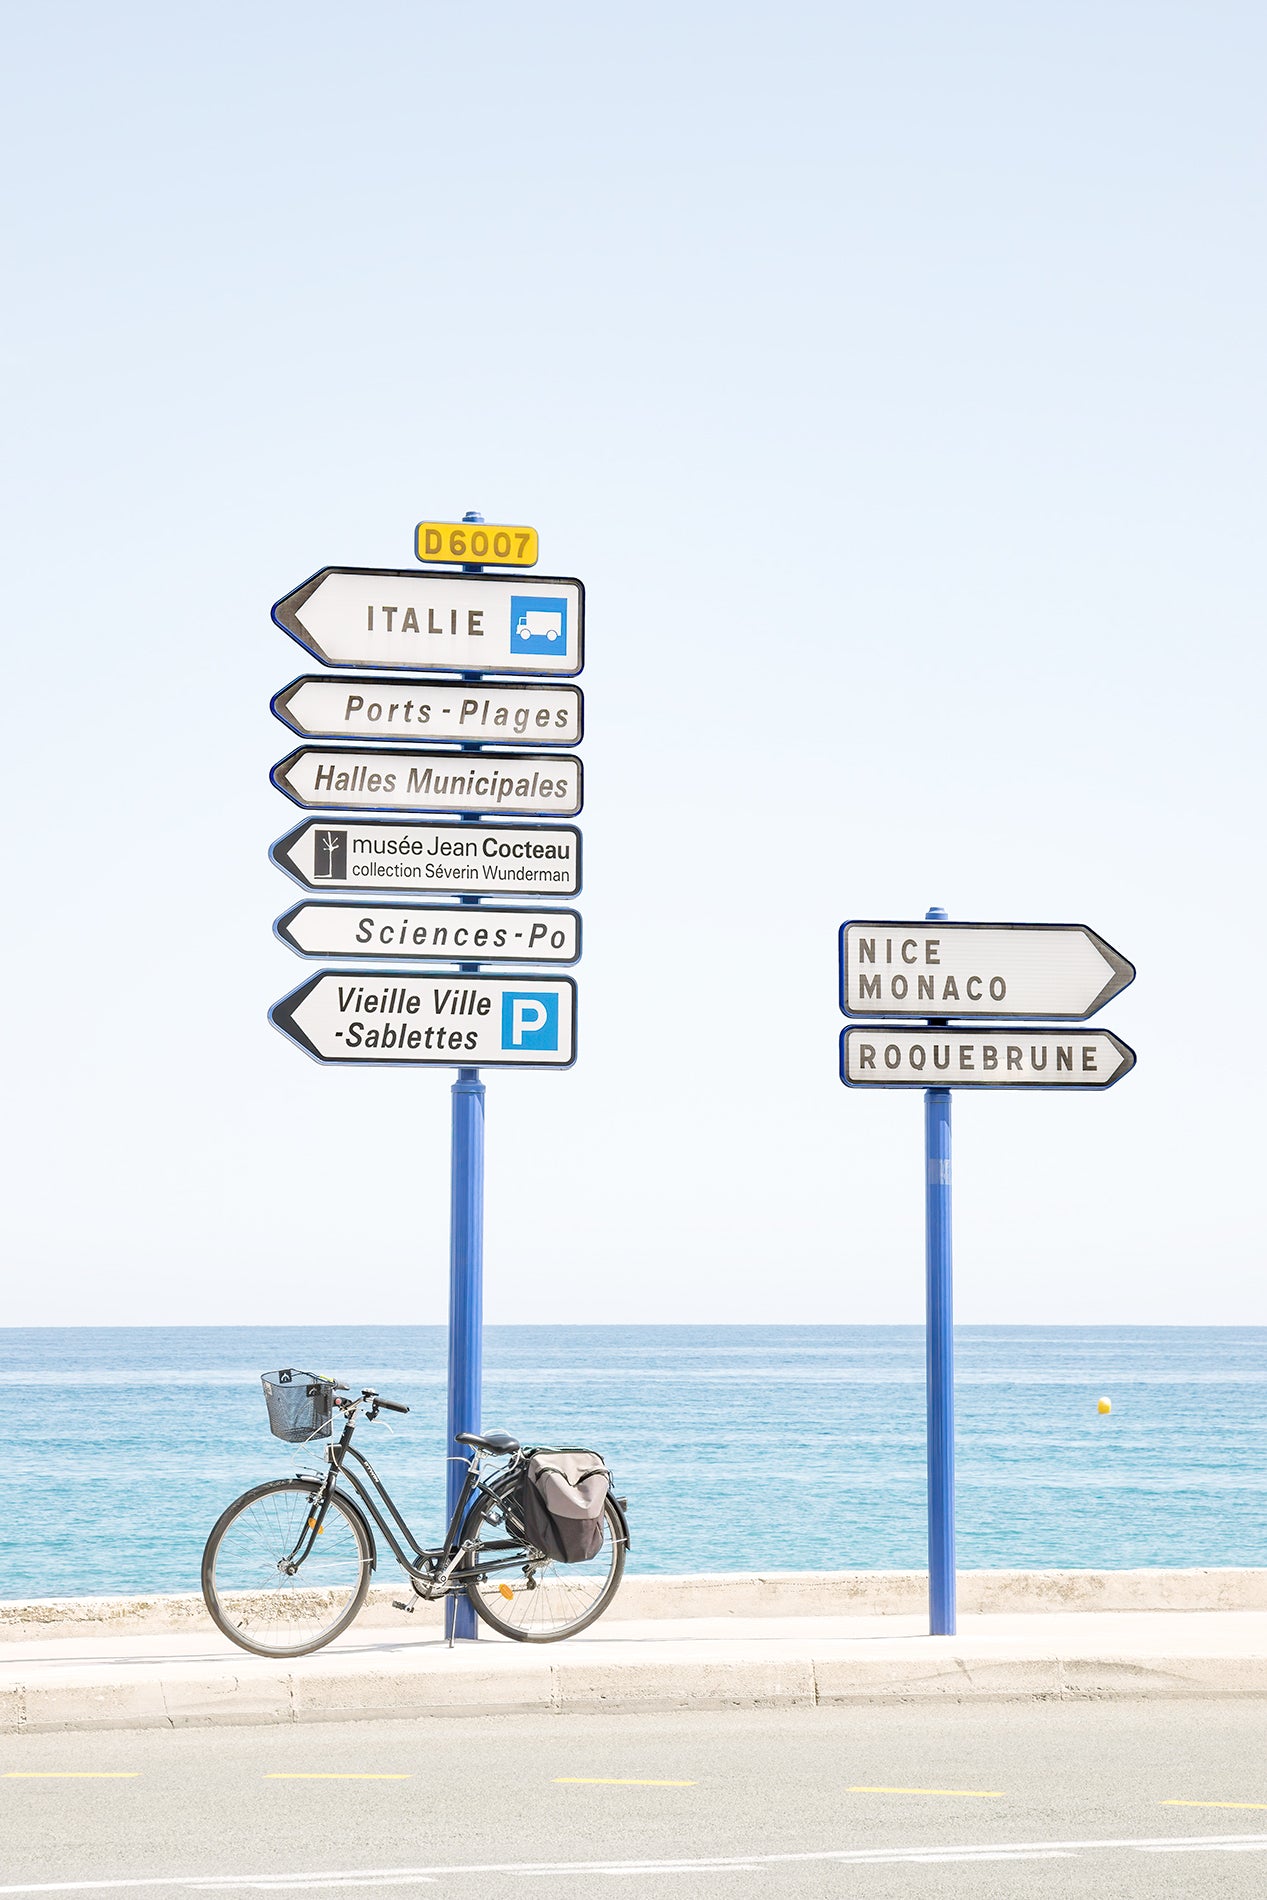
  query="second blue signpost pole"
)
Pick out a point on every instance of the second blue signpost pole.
point(939, 1347)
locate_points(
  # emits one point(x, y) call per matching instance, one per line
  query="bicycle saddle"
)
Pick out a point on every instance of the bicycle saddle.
point(500, 1442)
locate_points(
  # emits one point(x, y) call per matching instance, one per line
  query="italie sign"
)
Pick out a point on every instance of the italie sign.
point(465, 623)
point(477, 860)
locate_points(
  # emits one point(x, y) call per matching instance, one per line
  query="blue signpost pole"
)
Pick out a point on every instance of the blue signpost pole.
point(466, 1281)
point(939, 1347)
point(466, 1303)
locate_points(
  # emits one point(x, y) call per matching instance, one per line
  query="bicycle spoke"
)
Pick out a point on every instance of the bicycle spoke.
point(246, 1576)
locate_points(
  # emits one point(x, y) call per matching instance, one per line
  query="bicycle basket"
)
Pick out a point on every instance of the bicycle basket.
point(299, 1404)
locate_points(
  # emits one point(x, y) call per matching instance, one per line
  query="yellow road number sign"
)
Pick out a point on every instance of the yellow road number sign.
point(476, 541)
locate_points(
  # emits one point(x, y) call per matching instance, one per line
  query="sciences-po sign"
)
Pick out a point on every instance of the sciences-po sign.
point(443, 933)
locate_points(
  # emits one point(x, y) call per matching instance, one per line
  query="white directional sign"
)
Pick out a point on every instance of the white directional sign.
point(1025, 1058)
point(319, 707)
point(482, 1022)
point(431, 933)
point(384, 854)
point(358, 778)
point(997, 970)
point(468, 623)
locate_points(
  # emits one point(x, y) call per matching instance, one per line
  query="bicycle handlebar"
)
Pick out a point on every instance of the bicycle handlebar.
point(370, 1400)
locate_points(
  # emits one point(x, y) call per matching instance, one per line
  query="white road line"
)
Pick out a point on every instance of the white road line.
point(561, 1869)
point(322, 1885)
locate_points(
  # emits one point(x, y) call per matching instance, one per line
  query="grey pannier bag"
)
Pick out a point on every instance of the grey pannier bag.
point(561, 1503)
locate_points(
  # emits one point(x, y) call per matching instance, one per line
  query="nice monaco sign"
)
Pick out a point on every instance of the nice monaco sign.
point(997, 970)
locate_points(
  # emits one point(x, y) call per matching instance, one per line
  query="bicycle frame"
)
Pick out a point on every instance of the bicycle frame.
point(437, 1568)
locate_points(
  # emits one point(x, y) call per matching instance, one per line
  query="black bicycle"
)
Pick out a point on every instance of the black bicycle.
point(287, 1567)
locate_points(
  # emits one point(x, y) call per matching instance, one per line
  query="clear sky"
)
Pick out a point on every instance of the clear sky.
point(894, 379)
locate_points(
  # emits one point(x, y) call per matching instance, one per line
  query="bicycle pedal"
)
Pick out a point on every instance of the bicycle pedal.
point(409, 1608)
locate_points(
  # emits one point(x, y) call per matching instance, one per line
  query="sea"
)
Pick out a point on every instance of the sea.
point(755, 1448)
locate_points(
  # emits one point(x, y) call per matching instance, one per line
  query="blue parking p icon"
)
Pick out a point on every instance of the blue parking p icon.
point(530, 1019)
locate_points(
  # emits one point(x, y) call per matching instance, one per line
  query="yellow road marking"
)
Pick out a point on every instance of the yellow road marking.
point(615, 1781)
point(338, 1777)
point(964, 1794)
point(1214, 1804)
point(70, 1774)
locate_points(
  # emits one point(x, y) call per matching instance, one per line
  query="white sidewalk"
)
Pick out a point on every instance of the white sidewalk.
point(165, 1680)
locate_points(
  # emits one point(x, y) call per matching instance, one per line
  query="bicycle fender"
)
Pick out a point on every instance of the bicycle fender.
point(354, 1507)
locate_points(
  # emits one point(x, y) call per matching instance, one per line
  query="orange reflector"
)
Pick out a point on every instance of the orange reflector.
point(504, 1589)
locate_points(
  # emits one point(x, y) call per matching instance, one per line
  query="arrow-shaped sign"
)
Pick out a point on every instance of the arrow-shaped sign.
point(396, 854)
point(431, 933)
point(1026, 1058)
point(486, 1022)
point(318, 707)
point(460, 623)
point(997, 970)
point(359, 778)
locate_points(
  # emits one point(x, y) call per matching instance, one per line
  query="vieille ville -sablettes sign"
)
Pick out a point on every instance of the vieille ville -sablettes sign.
point(408, 737)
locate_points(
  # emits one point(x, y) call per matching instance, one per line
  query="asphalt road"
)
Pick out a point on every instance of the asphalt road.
point(978, 1800)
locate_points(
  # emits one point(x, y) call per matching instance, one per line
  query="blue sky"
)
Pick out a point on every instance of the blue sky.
point(893, 378)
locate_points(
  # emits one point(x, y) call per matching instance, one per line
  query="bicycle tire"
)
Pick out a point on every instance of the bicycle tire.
point(314, 1613)
point(558, 1580)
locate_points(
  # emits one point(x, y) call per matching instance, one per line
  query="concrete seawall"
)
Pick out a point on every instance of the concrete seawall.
point(724, 1594)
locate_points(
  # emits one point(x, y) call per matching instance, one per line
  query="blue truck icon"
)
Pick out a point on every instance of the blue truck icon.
point(538, 624)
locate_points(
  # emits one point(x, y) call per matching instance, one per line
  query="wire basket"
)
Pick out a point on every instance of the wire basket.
point(300, 1404)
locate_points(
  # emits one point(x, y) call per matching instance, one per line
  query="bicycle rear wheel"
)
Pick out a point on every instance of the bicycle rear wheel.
point(540, 1601)
point(245, 1584)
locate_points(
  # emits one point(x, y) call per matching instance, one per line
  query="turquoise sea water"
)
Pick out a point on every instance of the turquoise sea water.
point(739, 1447)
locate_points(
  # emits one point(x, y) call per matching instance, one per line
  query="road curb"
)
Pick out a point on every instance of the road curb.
point(184, 1697)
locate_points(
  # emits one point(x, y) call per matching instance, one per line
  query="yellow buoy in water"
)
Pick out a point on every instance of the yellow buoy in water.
point(1104, 1405)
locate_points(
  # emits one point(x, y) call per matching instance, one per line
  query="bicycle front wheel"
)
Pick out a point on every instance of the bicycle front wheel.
point(539, 1601)
point(245, 1580)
